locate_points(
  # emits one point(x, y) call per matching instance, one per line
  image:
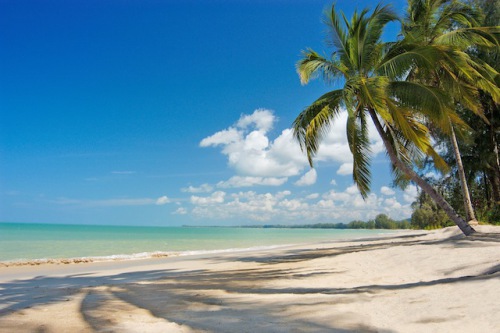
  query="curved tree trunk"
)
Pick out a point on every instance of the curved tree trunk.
point(469, 210)
point(496, 166)
point(426, 187)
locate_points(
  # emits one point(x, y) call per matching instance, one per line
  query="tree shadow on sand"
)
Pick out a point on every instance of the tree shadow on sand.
point(363, 245)
point(218, 301)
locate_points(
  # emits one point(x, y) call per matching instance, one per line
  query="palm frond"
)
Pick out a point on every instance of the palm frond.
point(431, 102)
point(370, 40)
point(337, 35)
point(373, 94)
point(404, 57)
point(314, 122)
point(453, 14)
point(359, 144)
point(464, 38)
point(313, 65)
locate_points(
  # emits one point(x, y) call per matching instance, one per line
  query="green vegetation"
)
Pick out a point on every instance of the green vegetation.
point(456, 27)
point(477, 142)
point(381, 221)
point(416, 90)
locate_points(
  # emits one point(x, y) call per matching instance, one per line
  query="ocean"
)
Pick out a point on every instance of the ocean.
point(25, 242)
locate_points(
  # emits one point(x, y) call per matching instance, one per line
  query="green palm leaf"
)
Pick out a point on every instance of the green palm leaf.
point(359, 144)
point(314, 122)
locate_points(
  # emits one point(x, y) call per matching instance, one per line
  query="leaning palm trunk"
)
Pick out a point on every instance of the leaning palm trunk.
point(469, 210)
point(496, 166)
point(426, 187)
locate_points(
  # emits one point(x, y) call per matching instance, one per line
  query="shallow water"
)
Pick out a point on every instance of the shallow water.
point(24, 242)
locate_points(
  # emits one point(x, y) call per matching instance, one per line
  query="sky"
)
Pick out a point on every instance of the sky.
point(168, 113)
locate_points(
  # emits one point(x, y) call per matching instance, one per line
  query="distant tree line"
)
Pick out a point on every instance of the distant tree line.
point(381, 221)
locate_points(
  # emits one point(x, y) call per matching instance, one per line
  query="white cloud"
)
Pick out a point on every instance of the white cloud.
point(251, 152)
point(162, 200)
point(345, 169)
point(204, 188)
point(410, 194)
point(391, 204)
point(214, 198)
point(337, 196)
point(309, 178)
point(387, 190)
point(432, 175)
point(285, 207)
point(180, 211)
point(247, 205)
point(335, 147)
point(224, 137)
point(258, 159)
point(262, 119)
point(238, 181)
point(353, 189)
point(293, 205)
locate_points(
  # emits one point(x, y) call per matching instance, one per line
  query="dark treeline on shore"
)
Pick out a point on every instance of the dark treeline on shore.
point(382, 221)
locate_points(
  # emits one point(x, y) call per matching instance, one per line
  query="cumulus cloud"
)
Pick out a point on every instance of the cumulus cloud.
point(261, 160)
point(391, 204)
point(312, 196)
point(214, 198)
point(238, 181)
point(224, 137)
point(432, 175)
point(345, 169)
point(410, 194)
point(247, 205)
point(286, 207)
point(309, 178)
point(162, 200)
point(387, 190)
point(204, 188)
point(180, 211)
point(335, 147)
point(262, 119)
point(251, 152)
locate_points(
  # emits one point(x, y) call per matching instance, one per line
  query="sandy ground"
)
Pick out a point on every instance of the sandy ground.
point(408, 282)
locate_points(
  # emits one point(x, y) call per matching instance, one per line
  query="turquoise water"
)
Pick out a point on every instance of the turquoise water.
point(22, 241)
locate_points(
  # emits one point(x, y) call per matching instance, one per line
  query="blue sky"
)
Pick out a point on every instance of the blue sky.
point(170, 113)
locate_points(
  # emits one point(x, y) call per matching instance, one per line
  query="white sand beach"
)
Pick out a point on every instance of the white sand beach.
point(415, 281)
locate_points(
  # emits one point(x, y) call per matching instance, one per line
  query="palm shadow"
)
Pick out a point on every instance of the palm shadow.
point(221, 301)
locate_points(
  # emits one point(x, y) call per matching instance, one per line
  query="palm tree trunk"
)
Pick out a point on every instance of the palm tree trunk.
point(495, 185)
point(496, 166)
point(426, 187)
point(469, 210)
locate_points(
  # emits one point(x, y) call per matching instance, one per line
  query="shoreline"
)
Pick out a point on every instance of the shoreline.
point(169, 253)
point(424, 281)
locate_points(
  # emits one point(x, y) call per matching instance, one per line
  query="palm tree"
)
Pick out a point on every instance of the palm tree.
point(372, 89)
point(455, 26)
